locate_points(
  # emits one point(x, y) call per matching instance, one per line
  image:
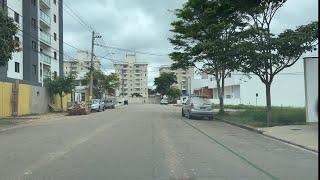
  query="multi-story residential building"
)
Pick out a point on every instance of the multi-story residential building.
point(40, 34)
point(184, 78)
point(81, 67)
point(133, 77)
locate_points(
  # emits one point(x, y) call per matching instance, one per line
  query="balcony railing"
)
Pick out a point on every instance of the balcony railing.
point(45, 18)
point(45, 58)
point(45, 37)
point(46, 3)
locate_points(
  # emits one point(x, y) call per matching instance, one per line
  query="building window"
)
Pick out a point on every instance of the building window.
point(33, 2)
point(34, 46)
point(16, 67)
point(55, 55)
point(54, 18)
point(35, 69)
point(55, 36)
point(33, 23)
point(16, 17)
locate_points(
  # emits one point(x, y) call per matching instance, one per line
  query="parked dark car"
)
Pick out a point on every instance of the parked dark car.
point(109, 104)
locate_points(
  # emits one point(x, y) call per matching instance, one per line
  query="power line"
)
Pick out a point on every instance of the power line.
point(78, 18)
point(130, 50)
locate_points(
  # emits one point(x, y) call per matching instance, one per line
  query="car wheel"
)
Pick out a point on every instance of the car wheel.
point(182, 113)
point(187, 115)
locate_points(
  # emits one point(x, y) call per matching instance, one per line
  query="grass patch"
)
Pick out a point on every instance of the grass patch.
point(257, 117)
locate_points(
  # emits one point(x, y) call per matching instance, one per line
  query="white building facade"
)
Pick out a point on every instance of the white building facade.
point(287, 89)
point(40, 36)
point(133, 76)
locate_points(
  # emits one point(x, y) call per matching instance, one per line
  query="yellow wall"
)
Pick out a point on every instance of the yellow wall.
point(5, 99)
point(65, 100)
point(24, 101)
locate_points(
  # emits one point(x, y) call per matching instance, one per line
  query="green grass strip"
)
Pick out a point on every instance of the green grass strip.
point(233, 152)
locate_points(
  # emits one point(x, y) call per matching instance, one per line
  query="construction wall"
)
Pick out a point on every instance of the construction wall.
point(30, 100)
point(5, 99)
point(24, 99)
point(39, 100)
point(65, 100)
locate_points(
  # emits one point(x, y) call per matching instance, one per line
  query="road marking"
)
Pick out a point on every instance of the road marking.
point(233, 152)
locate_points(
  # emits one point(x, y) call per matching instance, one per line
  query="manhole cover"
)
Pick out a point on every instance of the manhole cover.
point(296, 129)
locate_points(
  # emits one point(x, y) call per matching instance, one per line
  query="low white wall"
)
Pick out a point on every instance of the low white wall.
point(311, 88)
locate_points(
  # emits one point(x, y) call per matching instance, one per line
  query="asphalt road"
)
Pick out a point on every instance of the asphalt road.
point(148, 142)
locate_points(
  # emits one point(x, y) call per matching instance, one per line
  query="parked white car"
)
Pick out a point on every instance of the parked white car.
point(164, 101)
point(97, 105)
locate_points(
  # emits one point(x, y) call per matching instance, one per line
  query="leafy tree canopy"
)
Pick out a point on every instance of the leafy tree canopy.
point(8, 45)
point(164, 82)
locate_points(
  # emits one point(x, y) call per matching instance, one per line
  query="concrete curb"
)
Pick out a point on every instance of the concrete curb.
point(250, 128)
point(292, 143)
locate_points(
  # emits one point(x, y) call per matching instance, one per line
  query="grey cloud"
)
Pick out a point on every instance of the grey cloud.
point(144, 25)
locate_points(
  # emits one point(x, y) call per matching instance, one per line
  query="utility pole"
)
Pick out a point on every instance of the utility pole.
point(94, 36)
point(122, 82)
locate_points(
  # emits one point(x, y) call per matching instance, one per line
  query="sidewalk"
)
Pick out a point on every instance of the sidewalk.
point(305, 136)
point(21, 121)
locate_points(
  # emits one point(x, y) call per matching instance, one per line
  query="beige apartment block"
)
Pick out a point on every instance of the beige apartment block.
point(133, 77)
point(184, 78)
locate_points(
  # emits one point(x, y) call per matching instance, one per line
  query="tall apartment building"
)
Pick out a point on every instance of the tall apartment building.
point(40, 35)
point(184, 78)
point(80, 67)
point(133, 77)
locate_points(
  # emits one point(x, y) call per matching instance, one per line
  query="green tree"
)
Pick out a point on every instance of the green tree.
point(102, 83)
point(60, 85)
point(8, 45)
point(111, 83)
point(205, 36)
point(173, 94)
point(164, 82)
point(265, 54)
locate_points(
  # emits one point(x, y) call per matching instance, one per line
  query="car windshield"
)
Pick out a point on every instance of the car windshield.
point(95, 101)
point(200, 100)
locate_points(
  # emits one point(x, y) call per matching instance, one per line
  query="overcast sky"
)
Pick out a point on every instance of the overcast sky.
point(143, 25)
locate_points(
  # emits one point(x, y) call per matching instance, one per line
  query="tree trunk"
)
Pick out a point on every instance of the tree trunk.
point(268, 98)
point(220, 96)
point(61, 101)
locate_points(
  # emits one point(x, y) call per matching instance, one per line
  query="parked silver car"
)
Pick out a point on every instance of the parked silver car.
point(197, 106)
point(97, 105)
